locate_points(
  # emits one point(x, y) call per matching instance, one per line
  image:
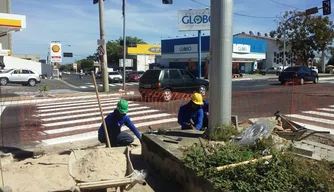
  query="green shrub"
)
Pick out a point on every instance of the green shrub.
point(223, 133)
point(284, 172)
point(44, 88)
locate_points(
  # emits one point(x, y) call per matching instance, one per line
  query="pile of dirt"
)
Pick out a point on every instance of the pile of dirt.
point(47, 173)
point(100, 164)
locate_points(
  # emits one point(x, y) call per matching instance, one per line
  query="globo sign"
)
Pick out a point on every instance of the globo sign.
point(197, 19)
point(194, 20)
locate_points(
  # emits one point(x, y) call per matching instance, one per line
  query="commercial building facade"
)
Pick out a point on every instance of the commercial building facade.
point(183, 53)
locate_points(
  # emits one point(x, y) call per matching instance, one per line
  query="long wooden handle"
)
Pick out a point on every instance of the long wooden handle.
point(101, 111)
point(243, 163)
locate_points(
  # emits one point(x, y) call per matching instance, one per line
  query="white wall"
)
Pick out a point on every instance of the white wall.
point(13, 62)
point(143, 62)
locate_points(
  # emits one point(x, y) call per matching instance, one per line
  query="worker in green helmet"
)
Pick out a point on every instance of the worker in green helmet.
point(114, 122)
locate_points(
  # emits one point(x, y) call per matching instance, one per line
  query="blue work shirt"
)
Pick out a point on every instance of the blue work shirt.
point(114, 125)
point(185, 114)
point(206, 106)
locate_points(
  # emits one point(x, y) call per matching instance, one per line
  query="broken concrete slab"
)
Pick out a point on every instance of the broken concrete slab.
point(168, 159)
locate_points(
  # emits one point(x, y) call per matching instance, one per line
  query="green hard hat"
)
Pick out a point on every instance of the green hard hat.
point(123, 106)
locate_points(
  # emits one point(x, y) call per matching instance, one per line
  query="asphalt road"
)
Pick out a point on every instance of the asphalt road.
point(86, 84)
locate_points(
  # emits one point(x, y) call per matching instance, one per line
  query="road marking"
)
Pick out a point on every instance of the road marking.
point(75, 101)
point(88, 83)
point(99, 118)
point(48, 100)
point(112, 85)
point(119, 84)
point(79, 107)
point(71, 138)
point(319, 113)
point(97, 125)
point(95, 113)
point(83, 87)
point(2, 108)
point(308, 118)
point(92, 86)
point(326, 109)
point(91, 109)
point(78, 103)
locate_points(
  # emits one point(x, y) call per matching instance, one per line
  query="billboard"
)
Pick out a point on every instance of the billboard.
point(55, 52)
point(145, 49)
point(194, 20)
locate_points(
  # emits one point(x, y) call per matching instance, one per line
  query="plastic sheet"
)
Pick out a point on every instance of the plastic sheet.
point(261, 128)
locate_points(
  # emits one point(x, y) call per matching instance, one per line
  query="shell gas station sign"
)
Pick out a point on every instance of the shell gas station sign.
point(56, 52)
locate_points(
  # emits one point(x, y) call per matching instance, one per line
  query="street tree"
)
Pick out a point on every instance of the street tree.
point(86, 63)
point(115, 50)
point(304, 34)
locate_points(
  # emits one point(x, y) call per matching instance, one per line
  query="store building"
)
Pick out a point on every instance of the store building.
point(141, 56)
point(183, 53)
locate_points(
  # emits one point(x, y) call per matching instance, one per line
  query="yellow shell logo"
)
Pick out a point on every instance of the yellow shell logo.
point(55, 48)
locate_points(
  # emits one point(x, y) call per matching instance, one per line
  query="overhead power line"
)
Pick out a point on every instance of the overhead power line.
point(239, 14)
point(284, 4)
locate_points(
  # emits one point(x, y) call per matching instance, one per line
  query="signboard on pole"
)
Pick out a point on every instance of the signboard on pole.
point(194, 20)
point(56, 52)
point(100, 50)
point(128, 63)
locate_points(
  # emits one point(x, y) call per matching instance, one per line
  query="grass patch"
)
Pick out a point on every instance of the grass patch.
point(285, 172)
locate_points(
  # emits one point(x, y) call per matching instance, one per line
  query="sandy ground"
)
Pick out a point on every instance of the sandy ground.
point(50, 173)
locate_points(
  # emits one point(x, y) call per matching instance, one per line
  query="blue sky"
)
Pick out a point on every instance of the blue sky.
point(75, 22)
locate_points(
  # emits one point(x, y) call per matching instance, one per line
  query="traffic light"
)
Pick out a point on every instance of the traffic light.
point(167, 1)
point(96, 1)
point(326, 7)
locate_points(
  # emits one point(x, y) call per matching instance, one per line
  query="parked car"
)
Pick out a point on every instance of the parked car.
point(314, 68)
point(134, 76)
point(271, 70)
point(155, 82)
point(20, 76)
point(299, 73)
point(115, 76)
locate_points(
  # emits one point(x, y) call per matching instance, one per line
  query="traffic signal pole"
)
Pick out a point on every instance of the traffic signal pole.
point(124, 45)
point(104, 57)
point(221, 36)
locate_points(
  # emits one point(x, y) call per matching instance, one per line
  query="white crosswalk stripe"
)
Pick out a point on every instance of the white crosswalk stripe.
point(320, 119)
point(90, 85)
point(77, 120)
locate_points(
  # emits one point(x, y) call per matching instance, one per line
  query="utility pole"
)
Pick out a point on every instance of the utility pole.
point(104, 57)
point(221, 40)
point(124, 45)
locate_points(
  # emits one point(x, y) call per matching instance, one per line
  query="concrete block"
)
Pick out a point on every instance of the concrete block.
point(6, 158)
point(6, 189)
point(234, 120)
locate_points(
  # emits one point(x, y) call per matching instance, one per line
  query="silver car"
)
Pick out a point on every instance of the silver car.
point(20, 76)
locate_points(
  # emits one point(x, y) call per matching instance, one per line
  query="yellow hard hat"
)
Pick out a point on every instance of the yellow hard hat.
point(197, 99)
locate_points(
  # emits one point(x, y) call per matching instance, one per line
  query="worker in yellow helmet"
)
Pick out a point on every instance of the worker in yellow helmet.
point(191, 114)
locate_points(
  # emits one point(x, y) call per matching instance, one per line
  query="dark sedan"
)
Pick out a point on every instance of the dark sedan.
point(301, 74)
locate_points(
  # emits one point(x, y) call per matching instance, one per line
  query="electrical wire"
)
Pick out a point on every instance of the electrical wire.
point(284, 4)
point(239, 14)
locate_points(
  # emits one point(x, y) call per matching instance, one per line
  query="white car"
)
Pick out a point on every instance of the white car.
point(115, 76)
point(20, 76)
